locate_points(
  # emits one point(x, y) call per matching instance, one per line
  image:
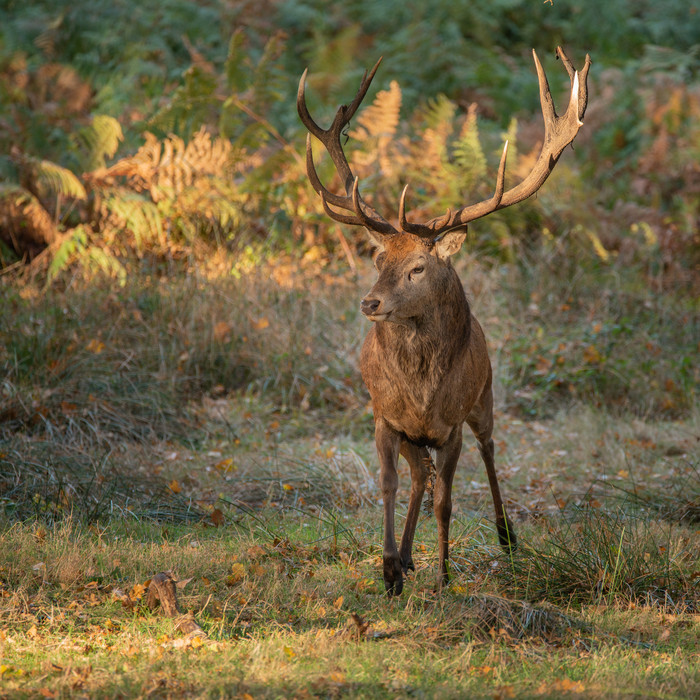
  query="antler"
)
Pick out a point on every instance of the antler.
point(363, 214)
point(559, 132)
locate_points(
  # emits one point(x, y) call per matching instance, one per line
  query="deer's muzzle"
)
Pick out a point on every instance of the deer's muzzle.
point(370, 306)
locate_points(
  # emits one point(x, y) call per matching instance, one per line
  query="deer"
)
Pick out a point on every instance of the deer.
point(425, 360)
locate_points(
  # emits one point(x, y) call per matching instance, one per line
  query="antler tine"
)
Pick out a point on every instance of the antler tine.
point(559, 132)
point(434, 228)
point(365, 215)
point(420, 230)
point(337, 216)
point(583, 79)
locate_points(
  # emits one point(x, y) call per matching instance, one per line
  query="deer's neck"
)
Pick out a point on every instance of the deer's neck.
point(427, 346)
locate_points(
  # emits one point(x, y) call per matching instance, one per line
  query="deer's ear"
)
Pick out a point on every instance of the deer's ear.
point(377, 240)
point(449, 244)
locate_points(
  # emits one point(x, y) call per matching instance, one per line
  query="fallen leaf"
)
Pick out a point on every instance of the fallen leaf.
point(222, 331)
point(95, 346)
point(237, 573)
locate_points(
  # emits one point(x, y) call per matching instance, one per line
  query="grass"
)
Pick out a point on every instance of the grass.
point(278, 614)
point(215, 426)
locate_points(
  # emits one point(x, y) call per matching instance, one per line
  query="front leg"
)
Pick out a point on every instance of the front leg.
point(418, 459)
point(388, 443)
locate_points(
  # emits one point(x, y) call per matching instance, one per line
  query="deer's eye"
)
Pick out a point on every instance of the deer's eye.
point(415, 272)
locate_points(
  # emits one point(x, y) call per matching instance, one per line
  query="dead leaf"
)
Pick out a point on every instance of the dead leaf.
point(222, 332)
point(256, 551)
point(237, 573)
point(217, 517)
point(563, 684)
point(95, 346)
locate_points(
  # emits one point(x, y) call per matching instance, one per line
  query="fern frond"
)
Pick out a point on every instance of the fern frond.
point(129, 212)
point(167, 167)
point(194, 102)
point(438, 112)
point(469, 158)
point(24, 223)
point(381, 117)
point(268, 79)
point(56, 179)
point(236, 73)
point(73, 244)
point(98, 141)
point(97, 257)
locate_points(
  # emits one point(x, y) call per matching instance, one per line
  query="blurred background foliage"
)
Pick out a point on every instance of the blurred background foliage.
point(140, 140)
point(83, 84)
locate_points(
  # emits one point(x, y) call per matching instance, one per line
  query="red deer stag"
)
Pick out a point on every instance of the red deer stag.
point(425, 360)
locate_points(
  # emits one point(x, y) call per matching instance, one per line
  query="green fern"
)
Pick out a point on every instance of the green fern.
point(97, 142)
point(192, 104)
point(235, 65)
point(132, 213)
point(468, 155)
point(56, 180)
point(72, 245)
point(268, 80)
point(438, 112)
point(95, 257)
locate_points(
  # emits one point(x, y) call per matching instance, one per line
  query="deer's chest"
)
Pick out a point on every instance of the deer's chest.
point(420, 398)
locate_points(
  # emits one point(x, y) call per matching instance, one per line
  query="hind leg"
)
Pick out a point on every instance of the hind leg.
point(480, 420)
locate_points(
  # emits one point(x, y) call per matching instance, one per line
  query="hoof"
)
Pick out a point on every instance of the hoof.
point(393, 577)
point(393, 588)
point(506, 536)
point(408, 565)
point(441, 582)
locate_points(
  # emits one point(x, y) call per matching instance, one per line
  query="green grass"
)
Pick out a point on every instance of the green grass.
point(275, 594)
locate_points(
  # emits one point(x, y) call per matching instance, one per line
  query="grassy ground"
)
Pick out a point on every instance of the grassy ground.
point(217, 428)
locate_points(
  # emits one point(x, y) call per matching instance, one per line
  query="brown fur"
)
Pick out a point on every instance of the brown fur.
point(426, 366)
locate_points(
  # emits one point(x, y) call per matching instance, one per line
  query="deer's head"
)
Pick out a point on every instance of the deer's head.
point(413, 273)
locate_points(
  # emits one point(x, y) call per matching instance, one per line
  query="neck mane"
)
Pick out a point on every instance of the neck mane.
point(428, 345)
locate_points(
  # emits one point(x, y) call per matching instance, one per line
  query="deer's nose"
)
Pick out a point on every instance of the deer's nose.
point(369, 306)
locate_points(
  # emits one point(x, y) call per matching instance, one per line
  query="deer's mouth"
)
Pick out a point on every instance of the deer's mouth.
point(379, 317)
